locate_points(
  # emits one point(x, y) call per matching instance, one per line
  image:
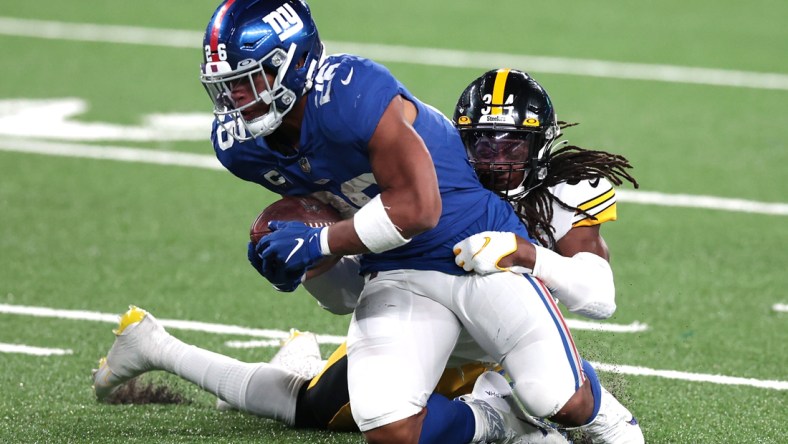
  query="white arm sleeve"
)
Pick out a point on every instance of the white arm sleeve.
point(583, 282)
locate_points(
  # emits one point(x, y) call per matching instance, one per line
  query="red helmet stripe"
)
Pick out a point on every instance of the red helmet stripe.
point(217, 23)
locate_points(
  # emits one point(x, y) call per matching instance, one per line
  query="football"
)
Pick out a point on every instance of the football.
point(305, 209)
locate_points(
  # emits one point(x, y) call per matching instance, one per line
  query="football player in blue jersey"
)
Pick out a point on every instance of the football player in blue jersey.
point(570, 201)
point(341, 128)
point(562, 196)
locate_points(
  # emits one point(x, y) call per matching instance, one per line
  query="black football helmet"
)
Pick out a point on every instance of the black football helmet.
point(508, 125)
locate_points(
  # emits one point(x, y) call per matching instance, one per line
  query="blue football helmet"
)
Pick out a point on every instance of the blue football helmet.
point(244, 40)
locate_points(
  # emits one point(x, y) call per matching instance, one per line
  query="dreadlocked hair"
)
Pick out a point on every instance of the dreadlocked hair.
point(569, 164)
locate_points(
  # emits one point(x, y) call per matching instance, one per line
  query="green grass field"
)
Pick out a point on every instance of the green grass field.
point(85, 237)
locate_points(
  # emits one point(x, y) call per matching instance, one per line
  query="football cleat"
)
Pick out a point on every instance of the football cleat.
point(614, 423)
point(300, 353)
point(498, 417)
point(138, 339)
point(537, 431)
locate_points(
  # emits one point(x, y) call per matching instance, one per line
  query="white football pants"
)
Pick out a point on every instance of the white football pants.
point(407, 323)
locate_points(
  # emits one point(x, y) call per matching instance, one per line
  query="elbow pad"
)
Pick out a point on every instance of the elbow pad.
point(583, 282)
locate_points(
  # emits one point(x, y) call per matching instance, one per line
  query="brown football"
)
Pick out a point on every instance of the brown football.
point(303, 208)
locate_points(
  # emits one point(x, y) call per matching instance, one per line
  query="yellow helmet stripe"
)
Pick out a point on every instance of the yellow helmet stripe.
point(498, 87)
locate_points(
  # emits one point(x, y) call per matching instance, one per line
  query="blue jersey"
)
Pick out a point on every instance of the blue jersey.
point(348, 99)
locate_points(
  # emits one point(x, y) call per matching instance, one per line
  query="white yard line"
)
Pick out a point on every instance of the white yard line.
point(780, 307)
point(30, 350)
point(206, 327)
point(275, 335)
point(256, 332)
point(108, 152)
point(90, 32)
point(256, 343)
point(574, 324)
point(609, 327)
point(707, 202)
point(125, 154)
point(695, 377)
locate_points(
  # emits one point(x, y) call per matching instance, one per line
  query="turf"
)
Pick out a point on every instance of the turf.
point(97, 235)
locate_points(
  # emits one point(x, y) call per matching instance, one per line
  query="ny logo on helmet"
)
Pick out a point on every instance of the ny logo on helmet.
point(284, 21)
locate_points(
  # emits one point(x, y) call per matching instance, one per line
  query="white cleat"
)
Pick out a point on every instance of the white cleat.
point(498, 417)
point(614, 423)
point(536, 431)
point(300, 353)
point(138, 338)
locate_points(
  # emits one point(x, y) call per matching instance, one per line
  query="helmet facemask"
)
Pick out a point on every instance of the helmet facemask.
point(505, 161)
point(219, 79)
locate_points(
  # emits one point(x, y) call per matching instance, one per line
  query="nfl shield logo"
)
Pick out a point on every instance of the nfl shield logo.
point(304, 164)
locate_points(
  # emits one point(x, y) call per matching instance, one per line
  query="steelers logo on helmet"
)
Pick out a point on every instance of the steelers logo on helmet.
point(269, 50)
point(507, 123)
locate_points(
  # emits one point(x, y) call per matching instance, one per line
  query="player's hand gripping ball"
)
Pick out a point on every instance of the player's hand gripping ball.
point(308, 210)
point(304, 209)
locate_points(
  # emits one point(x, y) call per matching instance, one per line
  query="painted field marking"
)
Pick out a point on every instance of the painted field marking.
point(780, 307)
point(58, 118)
point(695, 377)
point(574, 324)
point(35, 351)
point(207, 327)
point(255, 343)
point(706, 202)
point(107, 152)
point(126, 154)
point(276, 335)
point(609, 327)
point(174, 38)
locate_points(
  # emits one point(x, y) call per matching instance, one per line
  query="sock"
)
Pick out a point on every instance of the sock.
point(596, 389)
point(447, 422)
point(259, 388)
point(272, 393)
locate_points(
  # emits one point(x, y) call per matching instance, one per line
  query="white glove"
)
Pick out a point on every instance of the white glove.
point(482, 252)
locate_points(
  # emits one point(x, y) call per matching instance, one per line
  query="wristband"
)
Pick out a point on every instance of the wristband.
point(324, 248)
point(375, 229)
